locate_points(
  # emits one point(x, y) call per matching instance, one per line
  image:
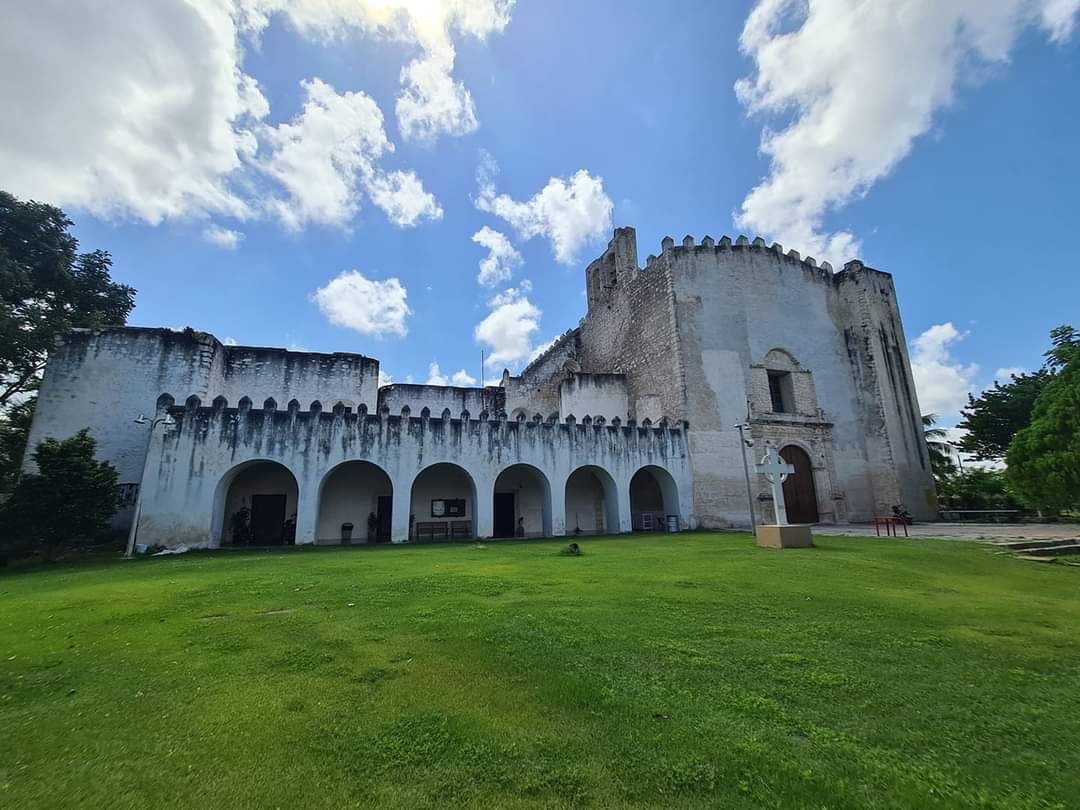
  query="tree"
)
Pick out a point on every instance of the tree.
point(70, 498)
point(940, 462)
point(14, 432)
point(994, 417)
point(47, 288)
point(1044, 458)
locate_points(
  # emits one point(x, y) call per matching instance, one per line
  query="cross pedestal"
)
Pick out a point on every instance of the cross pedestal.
point(780, 534)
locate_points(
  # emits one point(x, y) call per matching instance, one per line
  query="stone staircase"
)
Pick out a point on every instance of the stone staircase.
point(1047, 551)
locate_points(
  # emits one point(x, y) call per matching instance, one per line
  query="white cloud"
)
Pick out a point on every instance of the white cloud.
point(229, 341)
point(570, 212)
point(364, 305)
point(323, 154)
point(460, 378)
point(401, 195)
point(385, 379)
point(153, 116)
point(222, 237)
point(136, 111)
point(942, 383)
point(508, 329)
point(502, 258)
point(863, 81)
point(431, 102)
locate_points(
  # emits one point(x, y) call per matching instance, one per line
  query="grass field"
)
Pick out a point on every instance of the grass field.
point(689, 671)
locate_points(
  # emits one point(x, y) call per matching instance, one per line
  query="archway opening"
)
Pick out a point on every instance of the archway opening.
point(442, 505)
point(258, 505)
point(592, 503)
point(522, 503)
point(800, 495)
point(653, 498)
point(355, 505)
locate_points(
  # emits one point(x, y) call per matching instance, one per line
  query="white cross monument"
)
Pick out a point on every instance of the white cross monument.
point(776, 471)
point(780, 534)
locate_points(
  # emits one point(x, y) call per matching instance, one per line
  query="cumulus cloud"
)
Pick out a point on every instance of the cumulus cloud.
point(502, 258)
point(384, 378)
point(402, 197)
point(941, 381)
point(171, 126)
point(460, 378)
point(138, 111)
point(431, 102)
point(862, 80)
point(570, 212)
point(222, 237)
point(1006, 374)
point(329, 153)
point(229, 341)
point(507, 332)
point(364, 305)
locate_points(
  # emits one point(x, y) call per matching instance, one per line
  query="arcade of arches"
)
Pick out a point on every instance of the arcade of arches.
point(259, 503)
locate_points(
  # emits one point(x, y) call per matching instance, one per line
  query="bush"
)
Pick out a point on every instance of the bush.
point(70, 498)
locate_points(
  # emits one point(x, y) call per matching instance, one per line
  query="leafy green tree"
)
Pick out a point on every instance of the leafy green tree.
point(1044, 458)
point(46, 289)
point(994, 417)
point(976, 488)
point(69, 499)
point(14, 432)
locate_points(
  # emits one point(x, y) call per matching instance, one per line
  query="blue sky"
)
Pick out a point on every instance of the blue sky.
point(942, 144)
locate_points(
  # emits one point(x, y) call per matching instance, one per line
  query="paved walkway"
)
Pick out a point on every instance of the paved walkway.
point(967, 531)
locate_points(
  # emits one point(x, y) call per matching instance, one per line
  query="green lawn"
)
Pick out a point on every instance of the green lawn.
point(689, 671)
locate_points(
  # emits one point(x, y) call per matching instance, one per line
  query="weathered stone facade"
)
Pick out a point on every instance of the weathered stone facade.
point(668, 359)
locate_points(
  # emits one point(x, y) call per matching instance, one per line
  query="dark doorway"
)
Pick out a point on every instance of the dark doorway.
point(504, 514)
point(384, 513)
point(800, 498)
point(267, 520)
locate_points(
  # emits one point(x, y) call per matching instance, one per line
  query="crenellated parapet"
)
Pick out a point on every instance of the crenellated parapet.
point(689, 245)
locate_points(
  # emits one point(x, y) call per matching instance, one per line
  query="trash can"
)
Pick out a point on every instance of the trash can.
point(346, 532)
point(672, 523)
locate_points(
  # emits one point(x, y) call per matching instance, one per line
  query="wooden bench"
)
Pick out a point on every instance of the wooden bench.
point(432, 531)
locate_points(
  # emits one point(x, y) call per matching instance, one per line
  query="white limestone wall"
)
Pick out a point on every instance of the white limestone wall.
point(185, 482)
point(350, 493)
point(104, 379)
point(594, 395)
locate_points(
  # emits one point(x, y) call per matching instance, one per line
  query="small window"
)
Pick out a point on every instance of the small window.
point(781, 392)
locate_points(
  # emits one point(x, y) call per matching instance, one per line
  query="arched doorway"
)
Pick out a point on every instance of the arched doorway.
point(522, 503)
point(442, 504)
point(355, 499)
point(800, 497)
point(592, 502)
point(653, 496)
point(258, 504)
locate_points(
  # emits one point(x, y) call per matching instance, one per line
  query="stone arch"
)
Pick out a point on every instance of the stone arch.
point(592, 502)
point(447, 484)
point(522, 497)
point(800, 492)
point(781, 360)
point(653, 496)
point(352, 492)
point(519, 415)
point(269, 493)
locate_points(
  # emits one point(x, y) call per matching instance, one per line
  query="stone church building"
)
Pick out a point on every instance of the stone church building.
point(626, 423)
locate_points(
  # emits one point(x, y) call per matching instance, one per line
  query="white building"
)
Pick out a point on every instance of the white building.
point(626, 423)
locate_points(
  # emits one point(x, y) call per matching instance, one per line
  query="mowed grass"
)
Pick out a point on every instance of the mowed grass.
point(668, 671)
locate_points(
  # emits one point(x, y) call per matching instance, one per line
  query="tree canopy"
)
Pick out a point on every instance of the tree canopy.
point(47, 288)
point(1044, 458)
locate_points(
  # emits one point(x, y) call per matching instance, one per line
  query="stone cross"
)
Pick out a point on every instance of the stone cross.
point(776, 471)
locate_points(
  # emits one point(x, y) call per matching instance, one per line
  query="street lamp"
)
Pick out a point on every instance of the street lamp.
point(743, 444)
point(141, 419)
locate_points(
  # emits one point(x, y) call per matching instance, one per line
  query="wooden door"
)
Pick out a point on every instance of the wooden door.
point(385, 511)
point(504, 514)
point(799, 494)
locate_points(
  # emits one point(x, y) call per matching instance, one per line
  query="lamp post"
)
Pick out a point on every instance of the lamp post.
point(743, 444)
point(142, 420)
